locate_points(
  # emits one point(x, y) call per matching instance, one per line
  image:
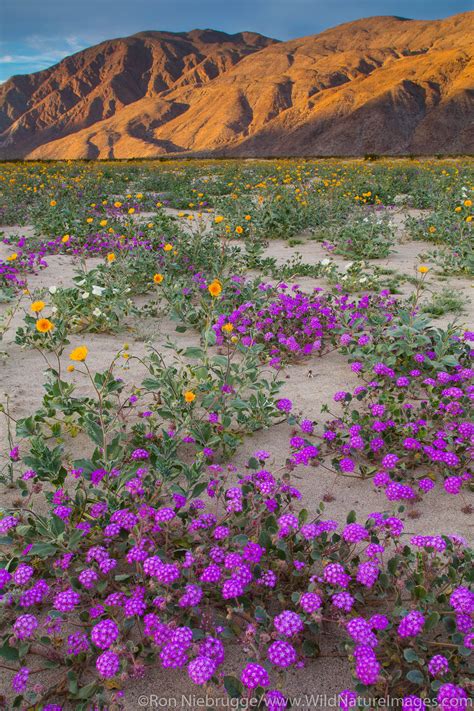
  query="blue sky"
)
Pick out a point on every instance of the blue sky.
point(37, 33)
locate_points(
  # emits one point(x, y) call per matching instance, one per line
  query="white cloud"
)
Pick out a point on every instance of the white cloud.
point(21, 58)
point(44, 44)
point(75, 43)
point(46, 51)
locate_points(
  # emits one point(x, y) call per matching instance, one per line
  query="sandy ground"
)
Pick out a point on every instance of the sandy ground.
point(21, 376)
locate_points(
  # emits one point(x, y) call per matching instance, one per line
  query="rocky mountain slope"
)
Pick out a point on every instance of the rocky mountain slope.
point(379, 85)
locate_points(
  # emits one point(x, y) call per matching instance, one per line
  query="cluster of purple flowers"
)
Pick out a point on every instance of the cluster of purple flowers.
point(293, 324)
point(433, 432)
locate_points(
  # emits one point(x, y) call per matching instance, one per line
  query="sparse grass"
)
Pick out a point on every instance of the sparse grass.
point(444, 302)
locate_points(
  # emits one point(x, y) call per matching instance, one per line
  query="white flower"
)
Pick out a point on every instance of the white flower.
point(53, 289)
point(54, 310)
point(325, 262)
point(97, 312)
point(85, 295)
point(362, 280)
point(98, 290)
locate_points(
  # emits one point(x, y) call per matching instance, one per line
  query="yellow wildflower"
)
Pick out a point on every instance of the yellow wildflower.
point(44, 325)
point(37, 306)
point(215, 288)
point(79, 354)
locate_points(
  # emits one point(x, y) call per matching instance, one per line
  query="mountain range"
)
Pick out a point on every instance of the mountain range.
point(381, 85)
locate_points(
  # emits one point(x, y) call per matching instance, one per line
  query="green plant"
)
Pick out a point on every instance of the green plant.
point(443, 302)
point(212, 403)
point(365, 235)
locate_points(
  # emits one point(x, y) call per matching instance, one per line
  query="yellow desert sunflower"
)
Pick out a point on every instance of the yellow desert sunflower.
point(37, 306)
point(215, 288)
point(44, 325)
point(79, 354)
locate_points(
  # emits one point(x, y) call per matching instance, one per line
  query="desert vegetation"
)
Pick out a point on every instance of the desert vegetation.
point(237, 455)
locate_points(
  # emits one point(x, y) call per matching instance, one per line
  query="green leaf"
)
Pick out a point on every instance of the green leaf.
point(9, 653)
point(303, 516)
point(310, 649)
point(410, 655)
point(432, 621)
point(43, 550)
point(86, 691)
point(260, 614)
point(210, 337)
point(194, 352)
point(233, 687)
point(415, 676)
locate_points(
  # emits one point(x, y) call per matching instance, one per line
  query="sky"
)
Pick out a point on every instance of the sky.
point(34, 34)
